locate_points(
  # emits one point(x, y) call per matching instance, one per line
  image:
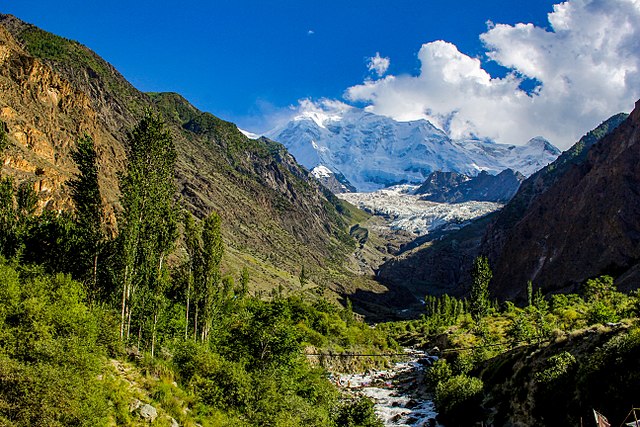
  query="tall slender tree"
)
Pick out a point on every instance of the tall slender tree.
point(481, 275)
point(192, 238)
point(85, 192)
point(212, 251)
point(8, 218)
point(149, 221)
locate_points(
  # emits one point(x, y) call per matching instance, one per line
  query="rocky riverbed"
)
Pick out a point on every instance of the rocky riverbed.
point(400, 398)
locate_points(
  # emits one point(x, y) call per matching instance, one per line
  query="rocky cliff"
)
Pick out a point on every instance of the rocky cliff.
point(276, 217)
point(575, 219)
point(450, 187)
point(537, 229)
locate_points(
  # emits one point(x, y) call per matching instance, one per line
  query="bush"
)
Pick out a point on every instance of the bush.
point(49, 354)
point(357, 413)
point(439, 372)
point(601, 312)
point(458, 400)
point(556, 366)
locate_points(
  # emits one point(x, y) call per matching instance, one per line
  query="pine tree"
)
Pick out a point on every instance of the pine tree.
point(529, 293)
point(481, 274)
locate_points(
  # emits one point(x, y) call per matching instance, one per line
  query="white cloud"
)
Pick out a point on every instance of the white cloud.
point(378, 64)
point(310, 32)
point(587, 66)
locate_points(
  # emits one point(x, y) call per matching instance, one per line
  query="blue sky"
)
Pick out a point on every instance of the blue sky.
point(237, 57)
point(247, 61)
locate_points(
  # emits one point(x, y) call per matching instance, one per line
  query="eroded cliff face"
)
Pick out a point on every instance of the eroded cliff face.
point(276, 217)
point(583, 223)
point(44, 115)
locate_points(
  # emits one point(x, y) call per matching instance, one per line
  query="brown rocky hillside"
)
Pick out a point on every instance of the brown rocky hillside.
point(577, 224)
point(276, 218)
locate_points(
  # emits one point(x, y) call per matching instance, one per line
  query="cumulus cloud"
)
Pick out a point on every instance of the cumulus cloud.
point(378, 64)
point(587, 67)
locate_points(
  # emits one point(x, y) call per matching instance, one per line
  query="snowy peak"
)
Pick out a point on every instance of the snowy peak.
point(540, 143)
point(336, 182)
point(373, 151)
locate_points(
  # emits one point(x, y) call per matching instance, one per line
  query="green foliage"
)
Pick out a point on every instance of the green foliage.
point(4, 139)
point(148, 224)
point(49, 352)
point(302, 277)
point(600, 312)
point(479, 298)
point(210, 286)
point(443, 310)
point(9, 233)
point(521, 329)
point(357, 413)
point(529, 293)
point(439, 372)
point(26, 200)
point(85, 193)
point(556, 366)
point(599, 289)
point(458, 398)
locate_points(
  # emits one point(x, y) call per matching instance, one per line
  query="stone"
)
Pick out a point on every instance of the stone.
point(148, 412)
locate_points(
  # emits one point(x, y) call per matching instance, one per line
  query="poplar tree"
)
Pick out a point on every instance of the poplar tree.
point(8, 218)
point(212, 251)
point(244, 282)
point(481, 275)
point(192, 236)
point(149, 221)
point(85, 192)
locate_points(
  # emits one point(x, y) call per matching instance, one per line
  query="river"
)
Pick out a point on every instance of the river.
point(399, 397)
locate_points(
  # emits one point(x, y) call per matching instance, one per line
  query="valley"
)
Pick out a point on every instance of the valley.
point(161, 266)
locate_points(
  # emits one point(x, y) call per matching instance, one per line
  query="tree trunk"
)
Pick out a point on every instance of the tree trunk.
point(124, 303)
point(195, 325)
point(186, 328)
point(153, 335)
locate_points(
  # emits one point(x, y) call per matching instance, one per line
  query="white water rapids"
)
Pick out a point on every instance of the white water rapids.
point(400, 400)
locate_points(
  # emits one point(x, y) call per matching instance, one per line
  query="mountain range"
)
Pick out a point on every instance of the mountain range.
point(575, 219)
point(372, 151)
point(276, 217)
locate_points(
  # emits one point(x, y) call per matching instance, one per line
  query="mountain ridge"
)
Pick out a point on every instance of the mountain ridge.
point(276, 217)
point(374, 151)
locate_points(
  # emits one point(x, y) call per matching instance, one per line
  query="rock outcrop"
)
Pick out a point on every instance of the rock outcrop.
point(577, 218)
point(450, 187)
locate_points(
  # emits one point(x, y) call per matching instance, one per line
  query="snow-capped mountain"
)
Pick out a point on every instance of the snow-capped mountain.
point(374, 151)
point(334, 181)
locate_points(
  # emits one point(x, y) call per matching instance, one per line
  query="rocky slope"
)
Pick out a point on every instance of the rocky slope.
point(583, 222)
point(450, 187)
point(275, 217)
point(439, 265)
point(374, 151)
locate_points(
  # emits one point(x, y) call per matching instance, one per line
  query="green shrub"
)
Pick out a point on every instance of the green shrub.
point(458, 399)
point(601, 312)
point(556, 366)
point(439, 372)
point(357, 413)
